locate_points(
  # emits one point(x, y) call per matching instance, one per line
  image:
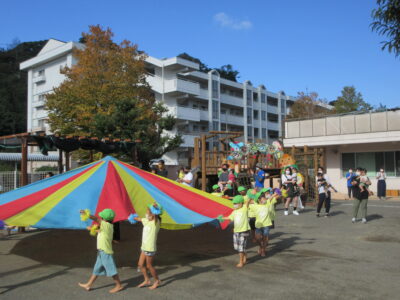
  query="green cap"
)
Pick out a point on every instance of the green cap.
point(250, 194)
point(107, 214)
point(241, 188)
point(215, 186)
point(238, 199)
point(257, 196)
point(264, 190)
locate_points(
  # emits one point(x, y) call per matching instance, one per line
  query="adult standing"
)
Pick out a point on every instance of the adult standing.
point(161, 170)
point(288, 183)
point(381, 177)
point(349, 177)
point(360, 197)
point(321, 171)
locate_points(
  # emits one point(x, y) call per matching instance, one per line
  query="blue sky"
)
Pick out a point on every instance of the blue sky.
point(290, 45)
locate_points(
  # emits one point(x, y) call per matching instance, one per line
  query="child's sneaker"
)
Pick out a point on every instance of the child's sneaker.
point(353, 220)
point(326, 215)
point(317, 215)
point(364, 220)
point(295, 212)
point(286, 213)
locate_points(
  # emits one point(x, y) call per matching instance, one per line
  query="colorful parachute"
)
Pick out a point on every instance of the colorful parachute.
point(55, 202)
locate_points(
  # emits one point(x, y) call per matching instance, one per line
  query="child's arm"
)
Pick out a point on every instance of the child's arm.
point(91, 217)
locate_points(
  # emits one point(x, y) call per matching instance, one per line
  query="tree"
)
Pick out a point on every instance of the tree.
point(381, 108)
point(225, 71)
point(308, 105)
point(351, 100)
point(387, 23)
point(106, 95)
point(13, 85)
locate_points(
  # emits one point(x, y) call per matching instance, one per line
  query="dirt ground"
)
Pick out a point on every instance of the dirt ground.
point(308, 258)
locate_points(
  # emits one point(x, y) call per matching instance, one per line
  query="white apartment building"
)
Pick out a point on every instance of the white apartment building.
point(200, 101)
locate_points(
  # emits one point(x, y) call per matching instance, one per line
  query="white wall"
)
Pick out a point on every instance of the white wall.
point(333, 164)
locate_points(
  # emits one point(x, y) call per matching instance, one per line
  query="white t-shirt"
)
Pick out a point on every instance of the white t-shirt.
point(188, 176)
point(286, 178)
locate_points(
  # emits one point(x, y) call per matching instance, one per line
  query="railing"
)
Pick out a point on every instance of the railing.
point(10, 180)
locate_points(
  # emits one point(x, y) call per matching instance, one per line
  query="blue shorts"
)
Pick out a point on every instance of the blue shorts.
point(105, 265)
point(264, 231)
point(149, 253)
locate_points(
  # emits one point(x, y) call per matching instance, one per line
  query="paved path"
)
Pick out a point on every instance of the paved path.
point(309, 258)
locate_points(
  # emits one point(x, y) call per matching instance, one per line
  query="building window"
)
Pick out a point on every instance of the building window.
point(273, 118)
point(40, 72)
point(255, 114)
point(248, 97)
point(249, 131)
point(249, 114)
point(215, 89)
point(273, 134)
point(223, 126)
point(272, 101)
point(204, 128)
point(195, 106)
point(264, 133)
point(215, 109)
point(215, 125)
point(255, 97)
point(373, 161)
point(195, 128)
point(256, 132)
point(263, 97)
point(263, 115)
point(283, 110)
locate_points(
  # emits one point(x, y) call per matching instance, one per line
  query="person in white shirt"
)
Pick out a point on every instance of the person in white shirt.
point(188, 178)
point(381, 177)
point(288, 183)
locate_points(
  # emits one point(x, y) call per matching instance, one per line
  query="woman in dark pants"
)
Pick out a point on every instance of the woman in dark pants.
point(360, 197)
point(381, 177)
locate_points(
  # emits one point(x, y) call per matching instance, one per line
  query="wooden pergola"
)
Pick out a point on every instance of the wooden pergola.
point(29, 139)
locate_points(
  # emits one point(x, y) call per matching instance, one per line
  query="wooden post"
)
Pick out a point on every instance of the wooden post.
point(293, 152)
point(203, 163)
point(24, 161)
point(215, 157)
point(60, 160)
point(91, 155)
point(67, 161)
point(196, 159)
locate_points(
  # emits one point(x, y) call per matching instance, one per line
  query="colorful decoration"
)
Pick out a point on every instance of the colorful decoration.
point(93, 229)
point(239, 150)
point(286, 160)
point(85, 216)
point(131, 218)
point(108, 183)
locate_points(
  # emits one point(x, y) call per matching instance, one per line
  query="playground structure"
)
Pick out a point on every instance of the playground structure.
point(210, 159)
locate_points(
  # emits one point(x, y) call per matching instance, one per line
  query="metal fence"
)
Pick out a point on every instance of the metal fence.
point(12, 180)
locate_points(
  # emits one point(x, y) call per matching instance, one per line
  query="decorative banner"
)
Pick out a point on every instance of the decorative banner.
point(240, 150)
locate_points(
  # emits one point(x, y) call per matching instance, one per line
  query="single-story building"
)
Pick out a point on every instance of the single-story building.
point(370, 140)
